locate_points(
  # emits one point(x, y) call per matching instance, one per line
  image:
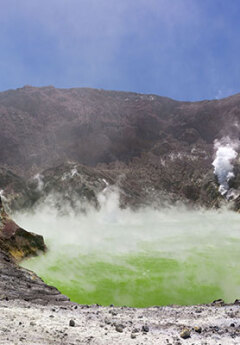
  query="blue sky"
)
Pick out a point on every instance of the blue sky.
point(183, 49)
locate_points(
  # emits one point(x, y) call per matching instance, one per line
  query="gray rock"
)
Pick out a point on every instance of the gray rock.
point(72, 323)
point(145, 328)
point(119, 328)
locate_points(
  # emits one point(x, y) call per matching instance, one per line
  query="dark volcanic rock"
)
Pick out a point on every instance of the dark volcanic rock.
point(19, 283)
point(72, 323)
point(16, 282)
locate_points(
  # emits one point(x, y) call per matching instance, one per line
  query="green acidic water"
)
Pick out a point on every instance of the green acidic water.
point(118, 257)
point(140, 280)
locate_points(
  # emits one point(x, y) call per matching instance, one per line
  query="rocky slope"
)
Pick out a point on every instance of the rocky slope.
point(44, 127)
point(153, 148)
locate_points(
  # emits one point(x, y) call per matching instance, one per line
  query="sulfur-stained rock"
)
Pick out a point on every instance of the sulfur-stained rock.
point(16, 241)
point(198, 329)
point(16, 282)
point(185, 334)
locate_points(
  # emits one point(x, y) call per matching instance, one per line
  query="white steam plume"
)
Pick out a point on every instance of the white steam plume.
point(39, 180)
point(223, 167)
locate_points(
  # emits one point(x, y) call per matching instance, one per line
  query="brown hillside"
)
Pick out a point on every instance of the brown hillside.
point(42, 127)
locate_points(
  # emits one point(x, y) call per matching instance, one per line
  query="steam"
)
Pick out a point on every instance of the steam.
point(120, 256)
point(223, 163)
point(2, 195)
point(70, 175)
point(38, 178)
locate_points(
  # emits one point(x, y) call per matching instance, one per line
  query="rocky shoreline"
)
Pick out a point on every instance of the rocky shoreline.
point(16, 282)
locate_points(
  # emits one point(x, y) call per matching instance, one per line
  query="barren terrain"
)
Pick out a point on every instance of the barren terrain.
point(25, 323)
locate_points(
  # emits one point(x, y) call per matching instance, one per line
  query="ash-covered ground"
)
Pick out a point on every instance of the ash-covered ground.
point(71, 324)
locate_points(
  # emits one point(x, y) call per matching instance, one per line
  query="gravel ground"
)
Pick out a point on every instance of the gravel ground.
point(27, 323)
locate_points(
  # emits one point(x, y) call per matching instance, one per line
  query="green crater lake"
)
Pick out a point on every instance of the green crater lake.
point(139, 259)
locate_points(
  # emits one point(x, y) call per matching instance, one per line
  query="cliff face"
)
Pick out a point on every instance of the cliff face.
point(155, 144)
point(16, 282)
point(15, 241)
